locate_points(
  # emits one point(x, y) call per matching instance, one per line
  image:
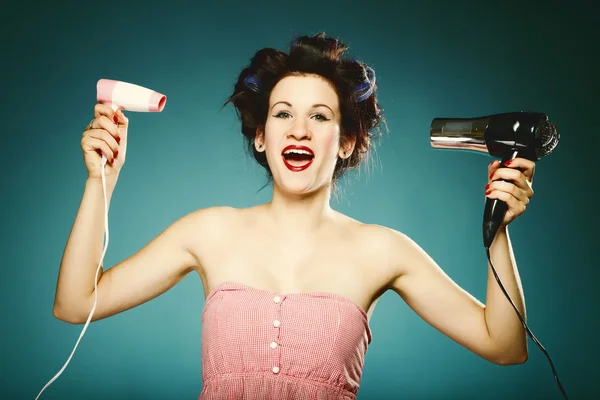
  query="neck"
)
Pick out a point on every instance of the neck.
point(299, 213)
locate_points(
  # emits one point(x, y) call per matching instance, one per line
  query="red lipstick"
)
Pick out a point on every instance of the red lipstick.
point(298, 168)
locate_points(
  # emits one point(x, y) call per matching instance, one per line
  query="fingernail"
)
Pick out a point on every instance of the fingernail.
point(112, 161)
point(116, 153)
point(492, 174)
point(488, 192)
point(508, 162)
point(118, 139)
point(116, 119)
point(487, 186)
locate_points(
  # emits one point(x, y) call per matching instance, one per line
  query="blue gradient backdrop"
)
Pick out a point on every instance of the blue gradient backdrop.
point(432, 59)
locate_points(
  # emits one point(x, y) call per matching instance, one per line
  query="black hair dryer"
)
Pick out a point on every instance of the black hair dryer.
point(507, 136)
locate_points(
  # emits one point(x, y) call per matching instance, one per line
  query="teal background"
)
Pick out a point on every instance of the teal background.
point(432, 59)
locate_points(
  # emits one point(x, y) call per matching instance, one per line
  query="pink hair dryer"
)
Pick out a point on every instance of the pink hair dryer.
point(128, 96)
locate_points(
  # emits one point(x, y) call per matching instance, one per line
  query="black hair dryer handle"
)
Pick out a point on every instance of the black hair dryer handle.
point(494, 211)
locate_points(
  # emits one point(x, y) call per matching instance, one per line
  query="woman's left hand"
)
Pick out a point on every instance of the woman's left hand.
point(517, 192)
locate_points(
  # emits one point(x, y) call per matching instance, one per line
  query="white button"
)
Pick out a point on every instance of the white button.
point(276, 323)
point(276, 370)
point(273, 345)
point(277, 299)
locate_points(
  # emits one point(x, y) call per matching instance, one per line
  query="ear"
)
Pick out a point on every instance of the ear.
point(259, 139)
point(346, 148)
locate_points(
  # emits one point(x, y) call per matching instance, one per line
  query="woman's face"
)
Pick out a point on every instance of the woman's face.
point(302, 133)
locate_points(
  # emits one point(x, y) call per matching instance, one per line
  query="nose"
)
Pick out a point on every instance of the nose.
point(300, 130)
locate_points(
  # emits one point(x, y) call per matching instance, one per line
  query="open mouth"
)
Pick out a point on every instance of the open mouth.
point(297, 158)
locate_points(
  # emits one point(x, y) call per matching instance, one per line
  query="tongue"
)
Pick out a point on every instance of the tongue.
point(297, 159)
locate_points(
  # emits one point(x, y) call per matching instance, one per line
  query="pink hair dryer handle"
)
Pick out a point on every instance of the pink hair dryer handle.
point(128, 96)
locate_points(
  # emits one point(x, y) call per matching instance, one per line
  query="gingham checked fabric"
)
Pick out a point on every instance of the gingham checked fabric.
point(258, 345)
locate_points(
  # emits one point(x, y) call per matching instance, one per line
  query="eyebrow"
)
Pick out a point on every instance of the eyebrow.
point(313, 106)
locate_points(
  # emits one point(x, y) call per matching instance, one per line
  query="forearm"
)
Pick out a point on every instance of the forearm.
point(504, 326)
point(83, 250)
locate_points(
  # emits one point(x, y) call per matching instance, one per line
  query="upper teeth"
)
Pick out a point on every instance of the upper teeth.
point(296, 151)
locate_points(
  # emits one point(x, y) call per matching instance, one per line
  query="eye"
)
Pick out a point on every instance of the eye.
point(321, 117)
point(282, 114)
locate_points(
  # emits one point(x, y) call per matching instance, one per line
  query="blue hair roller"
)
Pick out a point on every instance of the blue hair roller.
point(295, 42)
point(251, 83)
point(368, 86)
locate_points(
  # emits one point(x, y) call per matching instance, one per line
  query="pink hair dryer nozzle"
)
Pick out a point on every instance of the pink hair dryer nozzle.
point(128, 96)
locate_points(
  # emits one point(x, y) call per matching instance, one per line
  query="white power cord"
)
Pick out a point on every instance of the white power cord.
point(95, 281)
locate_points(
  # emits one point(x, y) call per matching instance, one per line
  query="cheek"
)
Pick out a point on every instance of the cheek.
point(270, 138)
point(331, 141)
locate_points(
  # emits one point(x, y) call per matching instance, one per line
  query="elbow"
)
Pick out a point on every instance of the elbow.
point(522, 359)
point(61, 315)
point(507, 353)
point(512, 359)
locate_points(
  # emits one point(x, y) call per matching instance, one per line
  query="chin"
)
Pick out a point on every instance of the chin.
point(299, 184)
point(298, 178)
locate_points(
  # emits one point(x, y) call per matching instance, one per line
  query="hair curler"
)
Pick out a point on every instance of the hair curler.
point(130, 97)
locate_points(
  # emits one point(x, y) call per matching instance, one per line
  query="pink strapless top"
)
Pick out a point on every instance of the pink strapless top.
point(262, 345)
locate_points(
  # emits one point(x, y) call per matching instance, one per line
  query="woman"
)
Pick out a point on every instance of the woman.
point(291, 284)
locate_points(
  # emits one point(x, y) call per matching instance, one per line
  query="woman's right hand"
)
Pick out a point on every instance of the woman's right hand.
point(105, 135)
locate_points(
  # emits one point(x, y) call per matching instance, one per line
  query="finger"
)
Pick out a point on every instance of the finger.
point(493, 166)
point(524, 165)
point(104, 110)
point(513, 175)
point(121, 117)
point(504, 173)
point(509, 188)
point(106, 137)
point(103, 123)
point(89, 143)
point(514, 205)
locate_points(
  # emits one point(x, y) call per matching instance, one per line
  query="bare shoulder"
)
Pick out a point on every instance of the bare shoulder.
point(202, 224)
point(207, 227)
point(210, 218)
point(393, 252)
point(155, 268)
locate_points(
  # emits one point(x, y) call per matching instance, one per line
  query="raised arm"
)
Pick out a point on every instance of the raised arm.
point(146, 274)
point(493, 331)
point(153, 270)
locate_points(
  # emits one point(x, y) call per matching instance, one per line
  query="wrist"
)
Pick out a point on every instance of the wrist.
point(111, 180)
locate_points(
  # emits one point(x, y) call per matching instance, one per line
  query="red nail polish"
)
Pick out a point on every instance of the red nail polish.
point(486, 187)
point(116, 153)
point(118, 139)
point(116, 119)
point(508, 162)
point(112, 161)
point(488, 192)
point(492, 174)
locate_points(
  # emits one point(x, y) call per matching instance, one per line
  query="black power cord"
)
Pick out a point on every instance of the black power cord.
point(487, 250)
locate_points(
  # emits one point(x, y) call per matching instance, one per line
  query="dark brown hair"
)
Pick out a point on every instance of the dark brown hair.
point(353, 81)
